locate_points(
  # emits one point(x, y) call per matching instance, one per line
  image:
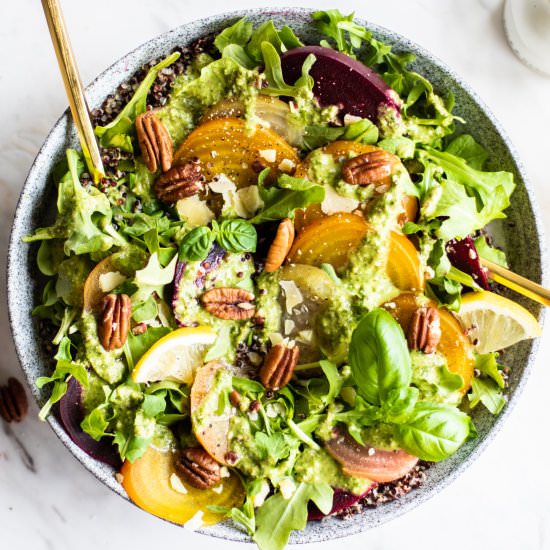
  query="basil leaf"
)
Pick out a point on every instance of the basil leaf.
point(435, 431)
point(196, 244)
point(379, 357)
point(237, 236)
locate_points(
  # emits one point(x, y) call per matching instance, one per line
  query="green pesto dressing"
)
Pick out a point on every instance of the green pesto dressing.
point(364, 283)
point(71, 276)
point(316, 466)
point(434, 380)
point(193, 94)
point(106, 364)
point(234, 271)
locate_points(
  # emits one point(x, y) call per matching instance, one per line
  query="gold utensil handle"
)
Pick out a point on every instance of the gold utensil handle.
point(73, 87)
point(518, 283)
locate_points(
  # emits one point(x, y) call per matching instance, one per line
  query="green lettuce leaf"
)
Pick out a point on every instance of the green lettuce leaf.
point(84, 215)
point(119, 132)
point(278, 517)
point(281, 200)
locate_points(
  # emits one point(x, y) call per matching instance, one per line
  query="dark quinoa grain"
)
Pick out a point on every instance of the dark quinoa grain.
point(160, 89)
point(386, 492)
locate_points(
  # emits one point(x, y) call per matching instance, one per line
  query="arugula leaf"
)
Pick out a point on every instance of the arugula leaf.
point(83, 215)
point(273, 446)
point(489, 253)
point(236, 235)
point(335, 381)
point(196, 244)
point(435, 431)
point(64, 369)
point(379, 356)
point(335, 25)
point(487, 392)
point(274, 75)
point(466, 147)
point(96, 423)
point(239, 34)
point(277, 516)
point(280, 201)
point(487, 365)
point(317, 135)
point(462, 189)
point(118, 132)
point(281, 40)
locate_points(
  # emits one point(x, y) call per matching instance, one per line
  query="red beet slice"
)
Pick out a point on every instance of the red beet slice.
point(71, 415)
point(342, 81)
point(342, 499)
point(463, 255)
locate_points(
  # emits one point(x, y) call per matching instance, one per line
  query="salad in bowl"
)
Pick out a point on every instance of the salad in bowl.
point(272, 308)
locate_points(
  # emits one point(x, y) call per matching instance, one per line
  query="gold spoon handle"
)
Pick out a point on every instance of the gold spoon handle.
point(73, 87)
point(518, 283)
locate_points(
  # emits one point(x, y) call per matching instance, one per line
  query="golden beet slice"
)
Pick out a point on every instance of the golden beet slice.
point(152, 484)
point(454, 343)
point(93, 295)
point(331, 239)
point(228, 146)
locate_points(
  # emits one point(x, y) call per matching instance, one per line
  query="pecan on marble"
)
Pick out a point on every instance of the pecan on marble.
point(198, 468)
point(180, 182)
point(369, 168)
point(234, 304)
point(424, 330)
point(154, 141)
point(278, 366)
point(13, 401)
point(114, 321)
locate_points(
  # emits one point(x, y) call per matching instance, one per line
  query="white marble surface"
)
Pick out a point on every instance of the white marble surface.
point(49, 501)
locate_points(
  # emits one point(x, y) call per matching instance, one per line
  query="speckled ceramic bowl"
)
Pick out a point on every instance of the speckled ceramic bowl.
point(520, 234)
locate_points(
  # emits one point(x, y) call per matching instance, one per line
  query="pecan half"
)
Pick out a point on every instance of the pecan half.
point(180, 182)
point(425, 330)
point(115, 321)
point(198, 468)
point(154, 141)
point(372, 167)
point(278, 366)
point(280, 246)
point(234, 304)
point(13, 401)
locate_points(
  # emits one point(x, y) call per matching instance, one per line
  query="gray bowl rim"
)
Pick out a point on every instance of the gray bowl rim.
point(334, 530)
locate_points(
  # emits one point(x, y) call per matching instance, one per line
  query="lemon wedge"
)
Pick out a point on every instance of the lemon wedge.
point(494, 322)
point(176, 356)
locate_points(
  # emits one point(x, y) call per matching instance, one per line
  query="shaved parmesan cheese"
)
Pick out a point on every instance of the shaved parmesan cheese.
point(194, 211)
point(333, 202)
point(224, 472)
point(270, 155)
point(218, 489)
point(177, 485)
point(293, 296)
point(222, 184)
point(287, 165)
point(305, 336)
point(195, 522)
point(259, 498)
point(350, 119)
point(108, 281)
point(289, 326)
point(247, 201)
point(287, 487)
point(276, 338)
